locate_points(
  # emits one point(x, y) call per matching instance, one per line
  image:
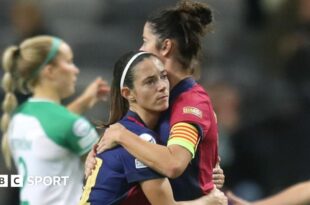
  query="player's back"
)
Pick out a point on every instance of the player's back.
point(117, 171)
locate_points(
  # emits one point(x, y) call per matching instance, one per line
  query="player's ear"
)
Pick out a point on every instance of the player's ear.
point(48, 71)
point(166, 47)
point(128, 94)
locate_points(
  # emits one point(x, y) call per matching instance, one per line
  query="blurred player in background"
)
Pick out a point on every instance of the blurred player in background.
point(45, 138)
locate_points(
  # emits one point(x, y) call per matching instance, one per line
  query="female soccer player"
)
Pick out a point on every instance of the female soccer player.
point(188, 129)
point(140, 92)
point(44, 137)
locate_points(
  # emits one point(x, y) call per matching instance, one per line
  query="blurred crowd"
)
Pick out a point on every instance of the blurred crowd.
point(256, 70)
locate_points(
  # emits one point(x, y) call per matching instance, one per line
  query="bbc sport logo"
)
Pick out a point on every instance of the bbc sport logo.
point(18, 180)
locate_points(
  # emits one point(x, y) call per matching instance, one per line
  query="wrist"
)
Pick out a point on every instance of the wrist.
point(84, 101)
point(118, 138)
point(122, 136)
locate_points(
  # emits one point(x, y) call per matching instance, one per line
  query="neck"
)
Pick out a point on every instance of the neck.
point(175, 72)
point(150, 118)
point(45, 92)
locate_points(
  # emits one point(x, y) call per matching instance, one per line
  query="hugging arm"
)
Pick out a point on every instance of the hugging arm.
point(170, 161)
point(158, 192)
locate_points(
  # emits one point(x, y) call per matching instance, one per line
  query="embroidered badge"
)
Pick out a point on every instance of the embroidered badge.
point(148, 137)
point(139, 164)
point(193, 111)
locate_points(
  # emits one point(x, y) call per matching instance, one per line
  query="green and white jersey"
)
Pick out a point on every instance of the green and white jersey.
point(47, 141)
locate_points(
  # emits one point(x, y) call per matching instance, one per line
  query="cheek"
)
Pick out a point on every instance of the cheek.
point(65, 78)
point(150, 47)
point(145, 96)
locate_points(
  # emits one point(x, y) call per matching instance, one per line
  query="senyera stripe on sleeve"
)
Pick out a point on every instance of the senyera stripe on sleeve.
point(185, 135)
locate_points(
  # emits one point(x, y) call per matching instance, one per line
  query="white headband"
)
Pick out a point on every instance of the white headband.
point(127, 67)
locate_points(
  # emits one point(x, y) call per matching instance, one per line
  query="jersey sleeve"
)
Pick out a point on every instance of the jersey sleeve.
point(82, 136)
point(135, 170)
point(193, 112)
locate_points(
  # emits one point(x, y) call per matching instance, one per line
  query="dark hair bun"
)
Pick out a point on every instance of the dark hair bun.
point(196, 10)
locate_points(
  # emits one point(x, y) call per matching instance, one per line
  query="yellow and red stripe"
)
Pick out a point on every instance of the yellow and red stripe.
point(185, 135)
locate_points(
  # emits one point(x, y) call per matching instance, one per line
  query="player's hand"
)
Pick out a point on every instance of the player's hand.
point(218, 176)
point(90, 162)
point(215, 197)
point(110, 136)
point(96, 91)
point(236, 200)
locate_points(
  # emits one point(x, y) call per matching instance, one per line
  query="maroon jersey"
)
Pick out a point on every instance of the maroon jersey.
point(190, 103)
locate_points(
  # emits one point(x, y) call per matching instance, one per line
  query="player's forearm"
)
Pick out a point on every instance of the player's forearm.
point(155, 156)
point(158, 191)
point(79, 105)
point(295, 195)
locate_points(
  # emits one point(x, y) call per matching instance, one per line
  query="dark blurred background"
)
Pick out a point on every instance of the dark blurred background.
point(256, 68)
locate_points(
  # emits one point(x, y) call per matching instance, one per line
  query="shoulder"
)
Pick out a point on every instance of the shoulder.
point(192, 99)
point(193, 106)
point(46, 109)
point(143, 132)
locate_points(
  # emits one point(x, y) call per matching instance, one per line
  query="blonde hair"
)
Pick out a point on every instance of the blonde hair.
point(20, 63)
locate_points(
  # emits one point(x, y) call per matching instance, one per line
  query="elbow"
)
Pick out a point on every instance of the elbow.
point(174, 170)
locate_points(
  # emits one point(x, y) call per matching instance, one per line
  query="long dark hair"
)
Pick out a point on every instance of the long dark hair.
point(186, 23)
point(119, 105)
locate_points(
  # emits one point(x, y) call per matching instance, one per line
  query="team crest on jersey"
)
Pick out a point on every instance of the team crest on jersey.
point(192, 110)
point(148, 137)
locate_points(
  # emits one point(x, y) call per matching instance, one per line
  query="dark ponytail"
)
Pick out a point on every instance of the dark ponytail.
point(186, 23)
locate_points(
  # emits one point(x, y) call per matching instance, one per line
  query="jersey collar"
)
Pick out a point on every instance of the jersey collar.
point(181, 87)
point(33, 99)
point(134, 117)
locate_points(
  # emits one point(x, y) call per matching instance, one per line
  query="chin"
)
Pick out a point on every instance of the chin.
point(163, 108)
point(68, 93)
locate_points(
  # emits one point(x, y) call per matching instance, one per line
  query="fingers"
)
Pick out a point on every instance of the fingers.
point(104, 145)
point(104, 86)
point(101, 148)
point(93, 151)
point(100, 145)
point(221, 198)
point(218, 183)
point(109, 138)
point(100, 88)
point(89, 168)
point(90, 162)
point(218, 177)
point(103, 89)
point(217, 169)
